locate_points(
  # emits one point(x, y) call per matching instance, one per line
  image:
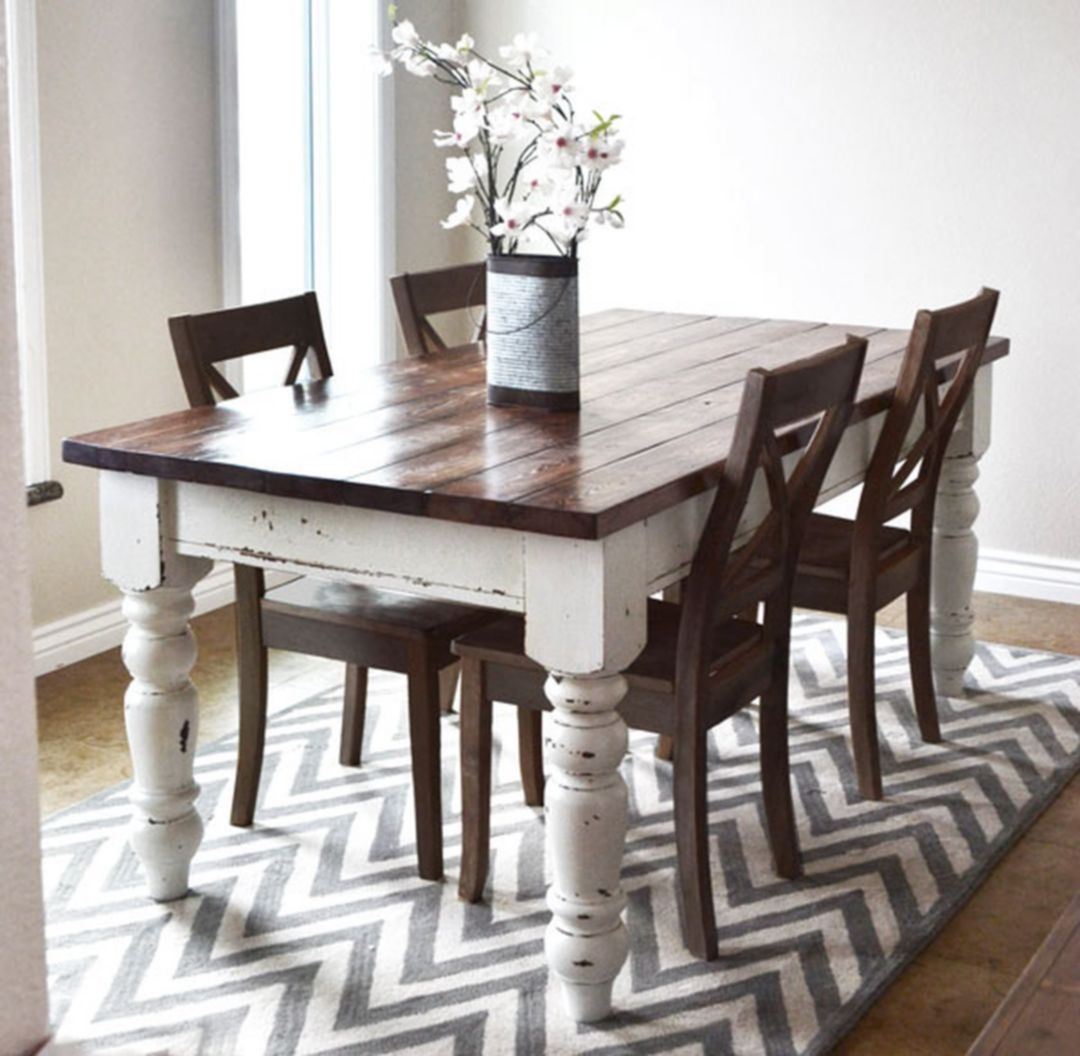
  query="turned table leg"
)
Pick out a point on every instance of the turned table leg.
point(586, 807)
point(161, 716)
point(585, 622)
point(956, 548)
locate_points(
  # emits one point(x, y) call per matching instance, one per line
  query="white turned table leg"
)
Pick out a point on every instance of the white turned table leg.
point(955, 555)
point(161, 715)
point(585, 622)
point(956, 548)
point(586, 807)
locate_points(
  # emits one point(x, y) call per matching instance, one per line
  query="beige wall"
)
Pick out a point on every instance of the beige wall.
point(851, 162)
point(23, 1001)
point(130, 202)
point(130, 208)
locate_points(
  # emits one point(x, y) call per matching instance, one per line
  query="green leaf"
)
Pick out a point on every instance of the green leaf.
point(391, 10)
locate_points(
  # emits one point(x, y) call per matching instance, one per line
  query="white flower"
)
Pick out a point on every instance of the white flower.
point(417, 64)
point(465, 43)
point(559, 147)
point(404, 33)
point(465, 131)
point(380, 62)
point(522, 51)
point(599, 152)
point(485, 80)
point(462, 173)
point(469, 102)
point(462, 213)
point(515, 217)
point(549, 87)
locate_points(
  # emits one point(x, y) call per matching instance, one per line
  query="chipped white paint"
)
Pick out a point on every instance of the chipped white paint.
point(585, 621)
point(161, 716)
point(419, 555)
point(585, 801)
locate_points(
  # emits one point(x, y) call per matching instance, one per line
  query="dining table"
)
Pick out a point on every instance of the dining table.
point(403, 476)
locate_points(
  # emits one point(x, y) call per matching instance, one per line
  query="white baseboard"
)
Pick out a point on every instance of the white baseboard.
point(1027, 576)
point(95, 630)
point(87, 633)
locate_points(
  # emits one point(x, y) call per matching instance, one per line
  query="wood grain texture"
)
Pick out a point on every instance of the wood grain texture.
point(1040, 1015)
point(659, 396)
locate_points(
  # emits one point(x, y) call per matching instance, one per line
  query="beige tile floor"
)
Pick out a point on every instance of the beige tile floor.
point(936, 1007)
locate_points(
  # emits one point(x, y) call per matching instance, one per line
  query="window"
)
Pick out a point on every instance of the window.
point(305, 151)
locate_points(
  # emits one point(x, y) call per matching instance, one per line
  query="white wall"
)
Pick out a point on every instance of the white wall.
point(23, 1001)
point(131, 235)
point(853, 161)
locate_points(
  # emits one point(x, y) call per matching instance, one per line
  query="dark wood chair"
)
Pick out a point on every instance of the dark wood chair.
point(420, 295)
point(856, 567)
point(362, 626)
point(703, 661)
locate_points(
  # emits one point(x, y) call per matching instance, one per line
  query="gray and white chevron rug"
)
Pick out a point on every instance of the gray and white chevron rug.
point(310, 933)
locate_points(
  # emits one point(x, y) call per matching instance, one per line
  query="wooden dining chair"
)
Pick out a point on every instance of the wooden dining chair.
point(856, 567)
point(702, 661)
point(420, 295)
point(362, 626)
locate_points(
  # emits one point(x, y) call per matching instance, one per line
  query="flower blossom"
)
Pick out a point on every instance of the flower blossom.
point(462, 213)
point(601, 152)
point(462, 173)
point(550, 87)
point(559, 147)
point(522, 51)
point(516, 216)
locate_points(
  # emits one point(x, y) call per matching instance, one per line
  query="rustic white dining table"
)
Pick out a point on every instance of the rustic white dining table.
point(409, 480)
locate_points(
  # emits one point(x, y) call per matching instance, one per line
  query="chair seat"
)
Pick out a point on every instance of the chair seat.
point(502, 641)
point(386, 612)
point(826, 546)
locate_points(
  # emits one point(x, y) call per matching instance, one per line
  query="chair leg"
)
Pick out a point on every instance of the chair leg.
point(776, 782)
point(448, 683)
point(352, 715)
point(692, 844)
point(922, 675)
point(475, 780)
point(252, 669)
point(530, 754)
point(862, 699)
point(665, 747)
point(426, 768)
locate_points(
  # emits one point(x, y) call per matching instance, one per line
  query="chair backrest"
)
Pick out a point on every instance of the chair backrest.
point(201, 342)
point(946, 345)
point(420, 295)
point(805, 405)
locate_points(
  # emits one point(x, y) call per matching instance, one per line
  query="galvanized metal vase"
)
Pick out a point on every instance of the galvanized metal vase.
point(532, 332)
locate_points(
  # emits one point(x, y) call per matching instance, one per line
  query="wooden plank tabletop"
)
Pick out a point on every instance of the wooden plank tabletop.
point(659, 396)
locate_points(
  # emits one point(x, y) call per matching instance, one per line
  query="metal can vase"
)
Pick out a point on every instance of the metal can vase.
point(532, 336)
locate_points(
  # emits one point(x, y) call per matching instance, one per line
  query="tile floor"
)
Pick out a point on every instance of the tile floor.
point(936, 1008)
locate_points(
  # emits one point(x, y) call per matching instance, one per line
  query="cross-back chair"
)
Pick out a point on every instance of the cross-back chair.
point(703, 661)
point(857, 567)
point(362, 626)
point(422, 294)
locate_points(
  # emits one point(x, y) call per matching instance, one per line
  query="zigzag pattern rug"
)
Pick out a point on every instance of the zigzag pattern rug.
point(310, 933)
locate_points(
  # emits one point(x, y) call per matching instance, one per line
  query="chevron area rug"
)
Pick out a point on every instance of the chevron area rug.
point(310, 933)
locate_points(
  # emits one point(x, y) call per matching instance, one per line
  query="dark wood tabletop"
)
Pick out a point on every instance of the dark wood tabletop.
point(659, 397)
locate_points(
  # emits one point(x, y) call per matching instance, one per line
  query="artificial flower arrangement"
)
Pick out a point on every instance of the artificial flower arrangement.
point(528, 168)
